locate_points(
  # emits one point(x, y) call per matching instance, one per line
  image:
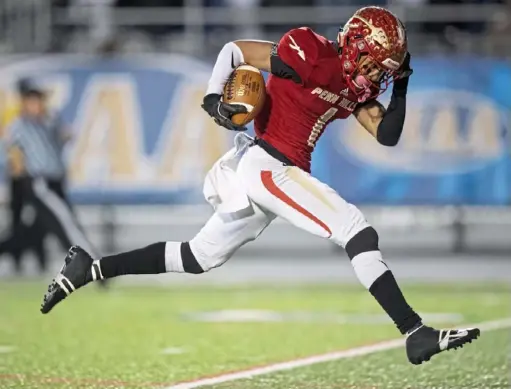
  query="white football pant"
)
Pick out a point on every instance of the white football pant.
point(248, 188)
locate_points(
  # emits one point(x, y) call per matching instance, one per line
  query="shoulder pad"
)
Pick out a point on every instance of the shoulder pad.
point(300, 49)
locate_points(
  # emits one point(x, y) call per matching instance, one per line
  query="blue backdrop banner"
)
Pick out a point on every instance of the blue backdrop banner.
point(141, 136)
point(455, 147)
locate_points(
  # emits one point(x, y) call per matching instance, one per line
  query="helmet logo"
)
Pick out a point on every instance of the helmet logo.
point(377, 34)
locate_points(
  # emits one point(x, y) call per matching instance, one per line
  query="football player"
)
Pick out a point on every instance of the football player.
point(312, 82)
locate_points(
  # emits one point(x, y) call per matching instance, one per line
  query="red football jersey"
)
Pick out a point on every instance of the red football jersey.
point(295, 115)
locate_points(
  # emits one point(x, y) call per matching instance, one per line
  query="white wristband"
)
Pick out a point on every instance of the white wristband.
point(228, 59)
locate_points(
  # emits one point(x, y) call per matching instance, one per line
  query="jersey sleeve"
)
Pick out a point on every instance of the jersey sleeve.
point(299, 49)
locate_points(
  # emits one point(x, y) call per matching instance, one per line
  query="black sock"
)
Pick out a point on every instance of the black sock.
point(190, 264)
point(386, 291)
point(147, 260)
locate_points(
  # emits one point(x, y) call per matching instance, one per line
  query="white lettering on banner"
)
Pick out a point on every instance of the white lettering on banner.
point(487, 142)
point(109, 146)
point(108, 126)
point(445, 140)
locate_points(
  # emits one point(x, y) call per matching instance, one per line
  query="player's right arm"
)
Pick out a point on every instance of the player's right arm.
point(233, 54)
point(256, 53)
point(294, 57)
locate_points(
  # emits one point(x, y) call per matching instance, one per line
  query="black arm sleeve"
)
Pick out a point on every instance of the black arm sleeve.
point(391, 126)
point(280, 69)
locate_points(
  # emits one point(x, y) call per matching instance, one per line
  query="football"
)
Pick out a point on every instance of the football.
point(246, 87)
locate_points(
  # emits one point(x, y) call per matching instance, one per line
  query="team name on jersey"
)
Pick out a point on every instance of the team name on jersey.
point(335, 99)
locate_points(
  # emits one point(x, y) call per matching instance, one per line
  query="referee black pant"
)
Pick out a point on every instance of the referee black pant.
point(26, 232)
point(54, 212)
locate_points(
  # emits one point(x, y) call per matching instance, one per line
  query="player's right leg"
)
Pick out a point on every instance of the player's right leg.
point(215, 243)
point(313, 206)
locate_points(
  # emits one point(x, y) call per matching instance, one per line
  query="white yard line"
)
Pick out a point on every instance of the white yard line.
point(6, 349)
point(173, 351)
point(333, 356)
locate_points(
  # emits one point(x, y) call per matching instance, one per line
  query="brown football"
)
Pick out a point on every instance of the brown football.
point(246, 87)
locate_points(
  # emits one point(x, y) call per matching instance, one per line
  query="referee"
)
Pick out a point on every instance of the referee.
point(24, 234)
point(39, 136)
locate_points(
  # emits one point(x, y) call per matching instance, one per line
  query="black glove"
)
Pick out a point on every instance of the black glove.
point(401, 82)
point(406, 70)
point(223, 112)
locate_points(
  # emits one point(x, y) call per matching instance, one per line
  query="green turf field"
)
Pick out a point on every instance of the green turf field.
point(134, 337)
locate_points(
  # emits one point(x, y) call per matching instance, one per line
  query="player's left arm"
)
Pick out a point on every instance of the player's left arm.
point(370, 115)
point(386, 125)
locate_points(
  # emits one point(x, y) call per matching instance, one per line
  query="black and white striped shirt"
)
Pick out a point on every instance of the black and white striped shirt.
point(41, 143)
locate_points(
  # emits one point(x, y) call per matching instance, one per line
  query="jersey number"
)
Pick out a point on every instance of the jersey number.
point(319, 125)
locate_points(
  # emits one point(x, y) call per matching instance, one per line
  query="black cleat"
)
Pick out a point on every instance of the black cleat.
point(75, 273)
point(425, 342)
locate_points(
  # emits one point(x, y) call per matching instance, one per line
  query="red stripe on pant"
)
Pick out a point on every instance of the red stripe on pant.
point(269, 184)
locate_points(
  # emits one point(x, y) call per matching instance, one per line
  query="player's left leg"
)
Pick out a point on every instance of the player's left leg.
point(236, 221)
point(213, 245)
point(309, 204)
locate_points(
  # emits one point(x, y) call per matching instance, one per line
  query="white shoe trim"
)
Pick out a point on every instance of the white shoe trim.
point(59, 279)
